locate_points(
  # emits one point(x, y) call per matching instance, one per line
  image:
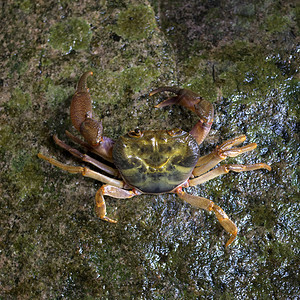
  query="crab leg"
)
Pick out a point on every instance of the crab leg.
point(83, 171)
point(207, 162)
point(82, 119)
point(112, 191)
point(209, 205)
point(224, 169)
point(85, 157)
point(195, 103)
point(104, 149)
point(114, 188)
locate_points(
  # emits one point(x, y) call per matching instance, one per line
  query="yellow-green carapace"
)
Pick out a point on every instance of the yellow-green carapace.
point(156, 161)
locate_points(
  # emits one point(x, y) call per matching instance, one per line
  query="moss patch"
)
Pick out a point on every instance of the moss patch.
point(56, 95)
point(237, 67)
point(24, 172)
point(277, 23)
point(70, 34)
point(135, 23)
point(19, 101)
point(6, 140)
point(112, 87)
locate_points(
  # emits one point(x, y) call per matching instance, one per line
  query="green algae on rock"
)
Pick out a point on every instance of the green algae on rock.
point(70, 34)
point(111, 86)
point(19, 101)
point(56, 94)
point(51, 244)
point(135, 23)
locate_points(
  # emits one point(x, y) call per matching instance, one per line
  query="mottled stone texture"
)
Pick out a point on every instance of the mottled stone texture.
point(242, 56)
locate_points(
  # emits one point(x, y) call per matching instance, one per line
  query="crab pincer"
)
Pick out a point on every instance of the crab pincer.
point(195, 103)
point(82, 119)
point(82, 115)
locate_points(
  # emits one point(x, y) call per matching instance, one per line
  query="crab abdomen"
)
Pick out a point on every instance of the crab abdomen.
point(156, 161)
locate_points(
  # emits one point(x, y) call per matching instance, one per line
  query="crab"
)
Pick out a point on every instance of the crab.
point(152, 161)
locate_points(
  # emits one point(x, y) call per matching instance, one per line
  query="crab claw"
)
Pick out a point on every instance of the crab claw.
point(195, 103)
point(81, 113)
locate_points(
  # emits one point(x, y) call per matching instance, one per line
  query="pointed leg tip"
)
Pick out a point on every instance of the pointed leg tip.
point(230, 241)
point(159, 105)
point(268, 167)
point(40, 155)
point(107, 219)
point(44, 157)
point(55, 138)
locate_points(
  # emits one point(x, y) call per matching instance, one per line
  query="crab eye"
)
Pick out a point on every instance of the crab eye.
point(175, 132)
point(137, 133)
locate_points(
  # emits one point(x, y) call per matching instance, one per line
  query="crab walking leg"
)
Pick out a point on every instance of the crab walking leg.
point(209, 205)
point(224, 146)
point(85, 157)
point(220, 153)
point(112, 191)
point(224, 169)
point(217, 156)
point(104, 149)
point(83, 171)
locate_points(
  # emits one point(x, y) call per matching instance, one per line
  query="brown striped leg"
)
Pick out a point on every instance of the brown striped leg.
point(85, 157)
point(103, 149)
